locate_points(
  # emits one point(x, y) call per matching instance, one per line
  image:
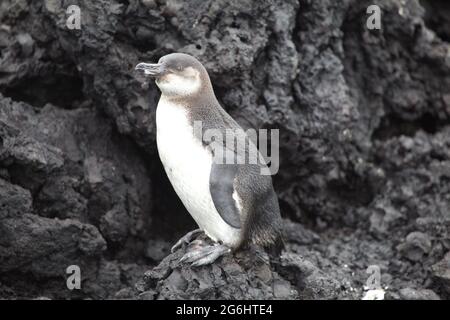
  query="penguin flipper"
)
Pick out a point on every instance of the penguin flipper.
point(221, 187)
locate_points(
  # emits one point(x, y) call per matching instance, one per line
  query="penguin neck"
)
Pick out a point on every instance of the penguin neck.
point(203, 97)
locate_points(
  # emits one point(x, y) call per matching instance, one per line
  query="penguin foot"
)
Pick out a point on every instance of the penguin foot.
point(204, 255)
point(186, 239)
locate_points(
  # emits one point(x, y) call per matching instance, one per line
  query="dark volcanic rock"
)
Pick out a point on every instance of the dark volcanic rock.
point(412, 294)
point(416, 245)
point(14, 200)
point(232, 277)
point(364, 119)
point(29, 242)
point(68, 196)
point(441, 271)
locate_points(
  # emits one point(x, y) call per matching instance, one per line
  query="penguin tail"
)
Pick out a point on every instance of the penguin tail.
point(275, 248)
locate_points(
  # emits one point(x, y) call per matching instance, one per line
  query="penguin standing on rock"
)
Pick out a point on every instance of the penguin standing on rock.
point(233, 204)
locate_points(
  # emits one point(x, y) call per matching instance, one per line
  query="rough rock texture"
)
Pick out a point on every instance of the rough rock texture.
point(364, 119)
point(234, 277)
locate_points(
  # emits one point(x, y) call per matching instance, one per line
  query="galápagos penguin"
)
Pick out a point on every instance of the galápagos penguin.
point(233, 204)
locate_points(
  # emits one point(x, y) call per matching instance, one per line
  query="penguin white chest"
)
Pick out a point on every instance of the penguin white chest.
point(188, 165)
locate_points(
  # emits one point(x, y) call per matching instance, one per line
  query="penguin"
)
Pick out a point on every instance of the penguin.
point(232, 203)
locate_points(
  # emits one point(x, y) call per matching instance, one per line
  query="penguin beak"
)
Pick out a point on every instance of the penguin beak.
point(151, 69)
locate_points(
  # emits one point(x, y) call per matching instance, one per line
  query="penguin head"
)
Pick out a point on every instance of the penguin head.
point(177, 75)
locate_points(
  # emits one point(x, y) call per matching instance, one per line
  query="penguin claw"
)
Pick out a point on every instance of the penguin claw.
point(197, 243)
point(186, 239)
point(205, 255)
point(194, 254)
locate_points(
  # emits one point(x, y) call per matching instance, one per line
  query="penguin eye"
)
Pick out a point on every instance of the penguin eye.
point(179, 68)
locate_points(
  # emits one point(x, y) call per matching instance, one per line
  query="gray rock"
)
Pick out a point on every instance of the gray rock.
point(422, 294)
point(441, 272)
point(14, 200)
point(232, 277)
point(416, 245)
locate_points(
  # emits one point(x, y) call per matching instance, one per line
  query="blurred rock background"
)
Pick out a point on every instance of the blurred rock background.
point(364, 119)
